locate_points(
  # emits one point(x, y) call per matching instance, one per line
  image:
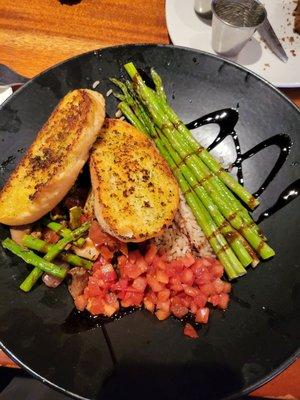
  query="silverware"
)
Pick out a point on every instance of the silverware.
point(233, 24)
point(270, 38)
point(8, 77)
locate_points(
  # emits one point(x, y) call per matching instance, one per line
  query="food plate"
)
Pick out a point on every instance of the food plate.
point(137, 355)
point(188, 29)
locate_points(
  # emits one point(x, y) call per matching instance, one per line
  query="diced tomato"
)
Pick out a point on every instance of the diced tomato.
point(122, 294)
point(214, 299)
point(223, 301)
point(177, 287)
point(154, 284)
point(137, 299)
point(110, 309)
point(207, 289)
point(99, 237)
point(122, 260)
point(178, 310)
point(175, 284)
point(94, 289)
point(203, 278)
point(80, 302)
point(218, 285)
point(163, 305)
point(163, 295)
point(98, 264)
point(159, 263)
point(148, 304)
point(111, 298)
point(108, 274)
point(162, 277)
point(109, 304)
point(134, 255)
point(105, 252)
point(51, 236)
point(170, 270)
point(202, 263)
point(193, 307)
point(95, 305)
point(209, 261)
point(190, 331)
point(202, 315)
point(132, 299)
point(152, 296)
point(217, 269)
point(191, 291)
point(85, 218)
point(200, 300)
point(151, 253)
point(139, 284)
point(121, 284)
point(187, 276)
point(226, 287)
point(123, 248)
point(176, 265)
point(132, 270)
point(141, 264)
point(186, 301)
point(161, 314)
point(188, 260)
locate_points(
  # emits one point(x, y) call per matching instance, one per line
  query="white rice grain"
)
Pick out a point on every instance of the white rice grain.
point(184, 236)
point(109, 92)
point(95, 84)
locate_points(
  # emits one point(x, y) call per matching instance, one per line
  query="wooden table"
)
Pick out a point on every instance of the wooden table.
point(36, 34)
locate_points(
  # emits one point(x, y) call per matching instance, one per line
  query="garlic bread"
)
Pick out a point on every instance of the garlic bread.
point(54, 160)
point(136, 195)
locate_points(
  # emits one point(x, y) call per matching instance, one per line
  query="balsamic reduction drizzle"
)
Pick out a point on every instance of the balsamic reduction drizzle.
point(289, 194)
point(227, 119)
point(284, 143)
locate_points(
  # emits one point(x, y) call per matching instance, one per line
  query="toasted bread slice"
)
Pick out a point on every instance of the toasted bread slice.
point(136, 195)
point(54, 160)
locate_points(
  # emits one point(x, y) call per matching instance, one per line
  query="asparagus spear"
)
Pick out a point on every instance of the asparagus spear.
point(60, 229)
point(233, 237)
point(211, 162)
point(226, 256)
point(231, 264)
point(143, 117)
point(71, 237)
point(219, 186)
point(124, 107)
point(57, 248)
point(33, 259)
point(63, 231)
point(215, 188)
point(43, 247)
point(238, 243)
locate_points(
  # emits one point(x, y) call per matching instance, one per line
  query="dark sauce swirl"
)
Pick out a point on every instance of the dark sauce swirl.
point(227, 120)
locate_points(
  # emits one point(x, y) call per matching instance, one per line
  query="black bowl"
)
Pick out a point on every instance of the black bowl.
point(138, 356)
